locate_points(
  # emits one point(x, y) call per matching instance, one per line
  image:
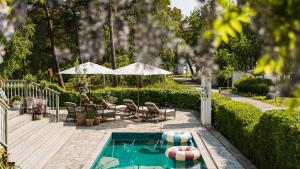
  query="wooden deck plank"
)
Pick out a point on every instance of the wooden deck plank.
point(39, 159)
point(33, 143)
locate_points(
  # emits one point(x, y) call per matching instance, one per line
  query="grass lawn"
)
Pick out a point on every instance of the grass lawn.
point(280, 101)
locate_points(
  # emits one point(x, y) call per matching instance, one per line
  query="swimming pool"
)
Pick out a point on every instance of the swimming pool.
point(140, 150)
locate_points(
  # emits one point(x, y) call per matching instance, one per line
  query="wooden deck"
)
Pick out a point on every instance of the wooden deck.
point(31, 144)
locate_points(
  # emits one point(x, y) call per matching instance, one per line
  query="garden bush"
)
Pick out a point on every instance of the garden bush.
point(277, 138)
point(235, 120)
point(270, 139)
point(250, 84)
point(186, 99)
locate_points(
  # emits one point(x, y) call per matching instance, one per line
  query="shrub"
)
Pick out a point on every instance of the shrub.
point(186, 99)
point(249, 84)
point(235, 120)
point(277, 138)
point(271, 139)
point(181, 99)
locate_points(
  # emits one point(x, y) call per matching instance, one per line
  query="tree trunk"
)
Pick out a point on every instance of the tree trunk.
point(112, 44)
point(51, 38)
point(190, 65)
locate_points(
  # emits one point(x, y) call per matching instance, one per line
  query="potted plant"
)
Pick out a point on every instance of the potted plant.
point(16, 102)
point(97, 120)
point(38, 112)
point(90, 118)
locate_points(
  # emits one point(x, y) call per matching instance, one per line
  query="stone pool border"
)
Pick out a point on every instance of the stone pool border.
point(204, 152)
point(210, 164)
point(96, 152)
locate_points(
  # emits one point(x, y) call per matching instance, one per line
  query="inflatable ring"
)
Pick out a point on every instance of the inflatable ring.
point(183, 153)
point(176, 136)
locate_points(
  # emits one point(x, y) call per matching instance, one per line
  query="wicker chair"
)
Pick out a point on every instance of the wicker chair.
point(131, 108)
point(159, 114)
point(72, 109)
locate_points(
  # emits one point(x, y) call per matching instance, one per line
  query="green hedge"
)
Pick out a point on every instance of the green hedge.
point(277, 137)
point(249, 84)
point(271, 139)
point(185, 99)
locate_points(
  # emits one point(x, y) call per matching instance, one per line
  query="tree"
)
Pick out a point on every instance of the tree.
point(17, 51)
point(51, 38)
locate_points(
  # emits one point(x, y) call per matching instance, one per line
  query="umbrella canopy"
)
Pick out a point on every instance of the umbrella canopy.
point(87, 68)
point(139, 69)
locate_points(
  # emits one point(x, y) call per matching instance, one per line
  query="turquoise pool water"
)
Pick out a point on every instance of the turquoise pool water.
point(140, 151)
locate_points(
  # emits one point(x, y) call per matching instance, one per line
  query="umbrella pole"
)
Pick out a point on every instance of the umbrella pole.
point(138, 92)
point(103, 79)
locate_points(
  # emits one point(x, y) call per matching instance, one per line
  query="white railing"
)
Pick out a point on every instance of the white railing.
point(3, 123)
point(21, 88)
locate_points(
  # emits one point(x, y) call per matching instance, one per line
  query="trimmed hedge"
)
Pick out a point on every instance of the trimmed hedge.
point(277, 137)
point(181, 99)
point(271, 139)
point(250, 84)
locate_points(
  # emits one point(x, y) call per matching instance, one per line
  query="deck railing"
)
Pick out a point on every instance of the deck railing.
point(23, 89)
point(3, 123)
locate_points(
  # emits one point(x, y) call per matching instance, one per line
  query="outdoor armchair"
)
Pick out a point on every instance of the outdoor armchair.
point(29, 104)
point(72, 109)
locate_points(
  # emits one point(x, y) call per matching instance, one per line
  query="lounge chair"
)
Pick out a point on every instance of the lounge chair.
point(159, 114)
point(72, 109)
point(131, 108)
point(104, 113)
point(110, 106)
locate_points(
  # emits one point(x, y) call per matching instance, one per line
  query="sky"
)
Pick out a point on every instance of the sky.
point(186, 6)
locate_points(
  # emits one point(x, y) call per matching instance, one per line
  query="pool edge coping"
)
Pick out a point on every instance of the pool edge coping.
point(210, 164)
point(95, 153)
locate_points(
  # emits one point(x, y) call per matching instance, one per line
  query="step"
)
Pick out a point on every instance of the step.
point(18, 122)
point(38, 148)
point(13, 113)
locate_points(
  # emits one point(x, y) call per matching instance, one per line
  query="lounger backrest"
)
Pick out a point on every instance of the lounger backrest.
point(90, 108)
point(71, 107)
point(84, 96)
point(130, 105)
point(105, 104)
point(86, 101)
point(152, 108)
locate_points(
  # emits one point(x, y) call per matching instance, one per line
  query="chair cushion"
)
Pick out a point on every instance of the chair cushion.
point(118, 107)
point(108, 112)
point(170, 111)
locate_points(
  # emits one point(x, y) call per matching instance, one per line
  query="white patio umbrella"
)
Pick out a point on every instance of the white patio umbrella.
point(87, 68)
point(139, 69)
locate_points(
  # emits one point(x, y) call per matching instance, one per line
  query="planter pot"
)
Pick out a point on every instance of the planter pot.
point(97, 120)
point(80, 118)
point(89, 122)
point(16, 106)
point(38, 117)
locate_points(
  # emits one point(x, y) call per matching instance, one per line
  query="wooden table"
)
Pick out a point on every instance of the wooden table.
point(142, 110)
